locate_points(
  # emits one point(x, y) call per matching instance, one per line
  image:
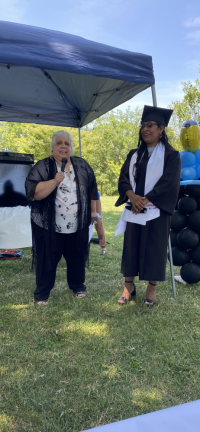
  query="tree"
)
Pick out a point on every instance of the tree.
point(29, 138)
point(106, 146)
point(188, 109)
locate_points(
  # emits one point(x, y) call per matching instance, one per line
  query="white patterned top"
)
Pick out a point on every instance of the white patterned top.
point(66, 203)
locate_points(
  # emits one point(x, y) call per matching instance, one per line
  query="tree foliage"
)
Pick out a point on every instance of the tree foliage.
point(104, 147)
point(188, 109)
point(106, 144)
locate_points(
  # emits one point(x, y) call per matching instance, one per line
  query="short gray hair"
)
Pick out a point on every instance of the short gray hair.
point(66, 134)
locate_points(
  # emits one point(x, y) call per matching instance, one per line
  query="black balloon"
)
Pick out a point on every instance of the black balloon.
point(178, 221)
point(194, 221)
point(180, 195)
point(190, 273)
point(180, 256)
point(195, 255)
point(187, 239)
point(187, 205)
point(192, 190)
point(173, 237)
point(198, 201)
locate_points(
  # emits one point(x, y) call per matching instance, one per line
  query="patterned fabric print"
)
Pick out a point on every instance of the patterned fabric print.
point(43, 211)
point(66, 204)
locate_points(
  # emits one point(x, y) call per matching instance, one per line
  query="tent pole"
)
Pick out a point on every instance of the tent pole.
point(153, 91)
point(171, 268)
point(79, 136)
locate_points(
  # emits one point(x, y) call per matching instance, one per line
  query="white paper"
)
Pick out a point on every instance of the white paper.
point(91, 230)
point(15, 227)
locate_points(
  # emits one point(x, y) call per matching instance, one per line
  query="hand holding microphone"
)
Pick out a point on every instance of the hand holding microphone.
point(64, 162)
point(59, 177)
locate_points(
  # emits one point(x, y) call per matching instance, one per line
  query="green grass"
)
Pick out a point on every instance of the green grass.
point(81, 363)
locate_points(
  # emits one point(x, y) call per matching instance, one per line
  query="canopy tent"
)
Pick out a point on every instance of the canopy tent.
point(53, 78)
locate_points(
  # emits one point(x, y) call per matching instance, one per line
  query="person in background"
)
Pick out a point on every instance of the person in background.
point(10, 197)
point(63, 206)
point(149, 184)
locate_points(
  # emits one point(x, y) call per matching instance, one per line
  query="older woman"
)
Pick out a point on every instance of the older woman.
point(149, 183)
point(63, 206)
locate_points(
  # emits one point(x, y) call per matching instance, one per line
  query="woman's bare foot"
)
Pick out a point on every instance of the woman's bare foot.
point(128, 289)
point(150, 294)
point(42, 303)
point(80, 294)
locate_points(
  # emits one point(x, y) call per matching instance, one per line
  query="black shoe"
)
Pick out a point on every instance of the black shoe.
point(133, 294)
point(150, 302)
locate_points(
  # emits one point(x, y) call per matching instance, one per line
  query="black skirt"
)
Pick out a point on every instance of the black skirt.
point(145, 249)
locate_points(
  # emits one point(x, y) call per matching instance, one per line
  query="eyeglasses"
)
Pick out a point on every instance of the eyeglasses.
point(148, 125)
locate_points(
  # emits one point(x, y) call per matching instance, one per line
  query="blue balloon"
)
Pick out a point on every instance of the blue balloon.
point(181, 154)
point(197, 156)
point(198, 171)
point(188, 173)
point(189, 123)
point(188, 159)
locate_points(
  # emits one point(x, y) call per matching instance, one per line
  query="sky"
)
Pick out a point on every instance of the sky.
point(168, 30)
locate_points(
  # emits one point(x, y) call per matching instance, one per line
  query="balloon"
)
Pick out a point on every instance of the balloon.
point(178, 221)
point(190, 273)
point(190, 136)
point(197, 171)
point(180, 256)
point(173, 237)
point(180, 195)
point(198, 201)
point(197, 156)
point(192, 190)
point(195, 255)
point(188, 173)
point(181, 153)
point(187, 239)
point(194, 221)
point(188, 159)
point(189, 123)
point(187, 205)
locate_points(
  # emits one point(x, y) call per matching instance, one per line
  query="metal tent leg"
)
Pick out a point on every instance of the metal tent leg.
point(171, 268)
point(153, 91)
point(79, 136)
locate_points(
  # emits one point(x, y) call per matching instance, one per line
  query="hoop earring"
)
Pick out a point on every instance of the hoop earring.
point(160, 136)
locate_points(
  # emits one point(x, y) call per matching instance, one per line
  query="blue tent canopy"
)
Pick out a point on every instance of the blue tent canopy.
point(53, 78)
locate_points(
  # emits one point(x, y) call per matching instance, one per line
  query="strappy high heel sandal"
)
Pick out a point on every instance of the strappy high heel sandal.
point(147, 301)
point(133, 294)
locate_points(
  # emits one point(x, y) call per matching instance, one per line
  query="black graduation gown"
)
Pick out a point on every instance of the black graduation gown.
point(145, 246)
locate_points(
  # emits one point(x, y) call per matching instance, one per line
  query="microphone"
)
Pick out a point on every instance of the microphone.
point(64, 162)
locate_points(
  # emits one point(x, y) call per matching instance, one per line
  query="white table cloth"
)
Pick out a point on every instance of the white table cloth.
point(181, 418)
point(15, 227)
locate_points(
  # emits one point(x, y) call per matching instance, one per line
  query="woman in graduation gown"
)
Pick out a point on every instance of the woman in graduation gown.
point(149, 184)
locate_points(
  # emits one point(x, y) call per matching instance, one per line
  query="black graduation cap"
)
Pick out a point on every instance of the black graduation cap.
point(159, 115)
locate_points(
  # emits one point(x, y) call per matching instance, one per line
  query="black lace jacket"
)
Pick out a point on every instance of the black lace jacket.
point(43, 211)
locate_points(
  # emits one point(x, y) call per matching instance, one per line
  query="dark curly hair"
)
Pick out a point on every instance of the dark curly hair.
point(142, 147)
